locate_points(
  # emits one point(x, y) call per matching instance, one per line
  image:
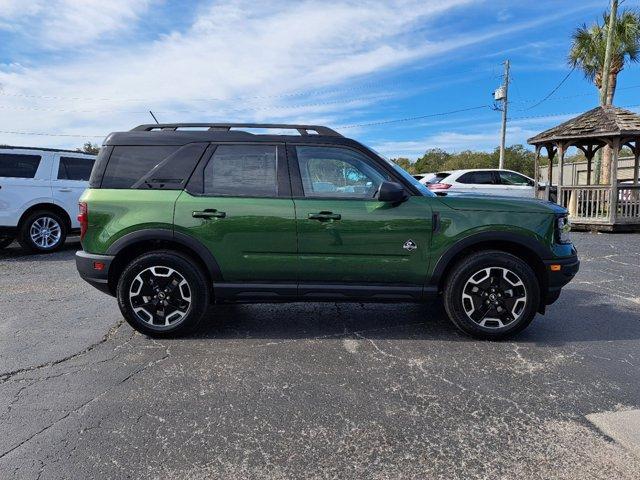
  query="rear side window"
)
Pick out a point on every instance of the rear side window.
point(478, 178)
point(75, 168)
point(155, 167)
point(14, 165)
point(438, 177)
point(243, 171)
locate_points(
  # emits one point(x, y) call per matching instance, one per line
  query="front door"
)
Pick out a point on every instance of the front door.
point(516, 185)
point(347, 236)
point(238, 204)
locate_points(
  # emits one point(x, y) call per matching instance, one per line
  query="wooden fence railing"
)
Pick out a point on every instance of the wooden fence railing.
point(587, 203)
point(629, 203)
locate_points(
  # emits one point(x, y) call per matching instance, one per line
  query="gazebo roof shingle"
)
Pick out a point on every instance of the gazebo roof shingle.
point(603, 121)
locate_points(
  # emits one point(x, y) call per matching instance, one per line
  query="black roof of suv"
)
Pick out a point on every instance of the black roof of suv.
point(183, 133)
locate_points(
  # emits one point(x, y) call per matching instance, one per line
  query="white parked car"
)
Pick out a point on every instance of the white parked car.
point(39, 192)
point(486, 181)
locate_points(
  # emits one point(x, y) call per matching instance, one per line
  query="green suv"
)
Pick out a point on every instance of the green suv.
point(180, 216)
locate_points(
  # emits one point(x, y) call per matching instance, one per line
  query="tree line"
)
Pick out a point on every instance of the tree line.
point(517, 158)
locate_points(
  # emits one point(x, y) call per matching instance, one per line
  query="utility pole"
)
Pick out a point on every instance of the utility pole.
point(505, 102)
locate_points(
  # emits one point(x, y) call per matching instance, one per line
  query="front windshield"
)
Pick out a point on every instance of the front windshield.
point(406, 175)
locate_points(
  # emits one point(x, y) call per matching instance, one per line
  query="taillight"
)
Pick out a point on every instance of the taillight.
point(438, 186)
point(83, 218)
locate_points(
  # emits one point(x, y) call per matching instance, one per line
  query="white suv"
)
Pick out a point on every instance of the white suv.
point(39, 192)
point(487, 181)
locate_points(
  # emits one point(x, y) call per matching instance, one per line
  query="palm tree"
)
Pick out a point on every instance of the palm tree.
point(588, 51)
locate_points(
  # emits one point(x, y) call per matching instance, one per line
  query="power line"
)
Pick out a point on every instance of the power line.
point(566, 77)
point(209, 99)
point(43, 134)
point(409, 119)
point(196, 110)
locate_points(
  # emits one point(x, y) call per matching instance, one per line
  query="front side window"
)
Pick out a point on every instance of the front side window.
point(243, 171)
point(74, 168)
point(337, 172)
point(477, 178)
point(14, 165)
point(512, 178)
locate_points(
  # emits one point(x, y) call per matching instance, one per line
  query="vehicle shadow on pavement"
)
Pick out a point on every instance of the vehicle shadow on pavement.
point(16, 253)
point(569, 320)
point(326, 320)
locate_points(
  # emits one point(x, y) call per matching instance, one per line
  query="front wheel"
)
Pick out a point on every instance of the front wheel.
point(492, 295)
point(163, 294)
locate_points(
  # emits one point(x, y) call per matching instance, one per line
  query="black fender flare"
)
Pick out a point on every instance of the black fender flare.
point(474, 239)
point(185, 240)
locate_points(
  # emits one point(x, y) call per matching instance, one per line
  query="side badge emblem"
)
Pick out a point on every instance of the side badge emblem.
point(409, 245)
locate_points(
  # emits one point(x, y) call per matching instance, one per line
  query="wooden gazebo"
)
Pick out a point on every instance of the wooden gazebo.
point(615, 206)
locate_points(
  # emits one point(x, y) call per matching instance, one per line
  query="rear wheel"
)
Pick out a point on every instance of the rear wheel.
point(42, 231)
point(492, 295)
point(163, 294)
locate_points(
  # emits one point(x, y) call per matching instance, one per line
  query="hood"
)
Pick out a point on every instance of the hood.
point(495, 203)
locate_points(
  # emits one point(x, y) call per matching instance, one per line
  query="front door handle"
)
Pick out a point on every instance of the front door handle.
point(321, 216)
point(208, 213)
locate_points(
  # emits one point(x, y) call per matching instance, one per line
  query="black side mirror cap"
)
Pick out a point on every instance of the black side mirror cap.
point(391, 192)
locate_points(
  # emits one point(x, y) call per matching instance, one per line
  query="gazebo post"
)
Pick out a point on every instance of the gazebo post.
point(561, 149)
point(613, 200)
point(636, 165)
point(551, 153)
point(589, 154)
point(536, 164)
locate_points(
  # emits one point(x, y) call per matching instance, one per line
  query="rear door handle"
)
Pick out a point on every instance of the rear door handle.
point(208, 213)
point(64, 189)
point(321, 216)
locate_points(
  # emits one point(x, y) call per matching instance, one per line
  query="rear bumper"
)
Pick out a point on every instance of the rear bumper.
point(94, 269)
point(556, 279)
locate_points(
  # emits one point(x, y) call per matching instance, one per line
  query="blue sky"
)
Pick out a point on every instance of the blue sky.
point(81, 69)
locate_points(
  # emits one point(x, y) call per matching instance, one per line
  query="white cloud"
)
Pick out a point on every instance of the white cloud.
point(55, 24)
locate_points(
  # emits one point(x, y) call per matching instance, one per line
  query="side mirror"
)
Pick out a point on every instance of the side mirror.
point(391, 192)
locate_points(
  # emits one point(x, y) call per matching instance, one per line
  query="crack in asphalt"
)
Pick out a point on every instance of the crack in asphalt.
point(88, 402)
point(107, 336)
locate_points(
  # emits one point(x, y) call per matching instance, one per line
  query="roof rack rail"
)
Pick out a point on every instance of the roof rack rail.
point(225, 127)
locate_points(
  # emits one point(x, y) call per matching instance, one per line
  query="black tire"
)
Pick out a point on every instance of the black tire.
point(44, 217)
point(159, 300)
point(5, 242)
point(491, 307)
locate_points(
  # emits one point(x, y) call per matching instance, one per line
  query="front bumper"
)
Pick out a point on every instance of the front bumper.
point(94, 269)
point(564, 271)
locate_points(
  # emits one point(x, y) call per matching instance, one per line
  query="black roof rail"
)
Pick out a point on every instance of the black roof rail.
point(225, 127)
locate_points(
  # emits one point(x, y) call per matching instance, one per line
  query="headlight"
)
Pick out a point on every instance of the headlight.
point(563, 227)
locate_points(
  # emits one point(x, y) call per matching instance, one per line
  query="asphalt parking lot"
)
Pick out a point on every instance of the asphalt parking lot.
point(315, 390)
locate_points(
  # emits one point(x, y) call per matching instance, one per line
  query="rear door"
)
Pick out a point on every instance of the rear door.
point(25, 180)
point(70, 177)
point(238, 204)
point(345, 235)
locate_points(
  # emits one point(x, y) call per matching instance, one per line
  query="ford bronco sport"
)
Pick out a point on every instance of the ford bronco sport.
point(179, 216)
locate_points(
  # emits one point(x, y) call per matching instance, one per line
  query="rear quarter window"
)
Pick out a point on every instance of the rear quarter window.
point(15, 165)
point(151, 167)
point(75, 168)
